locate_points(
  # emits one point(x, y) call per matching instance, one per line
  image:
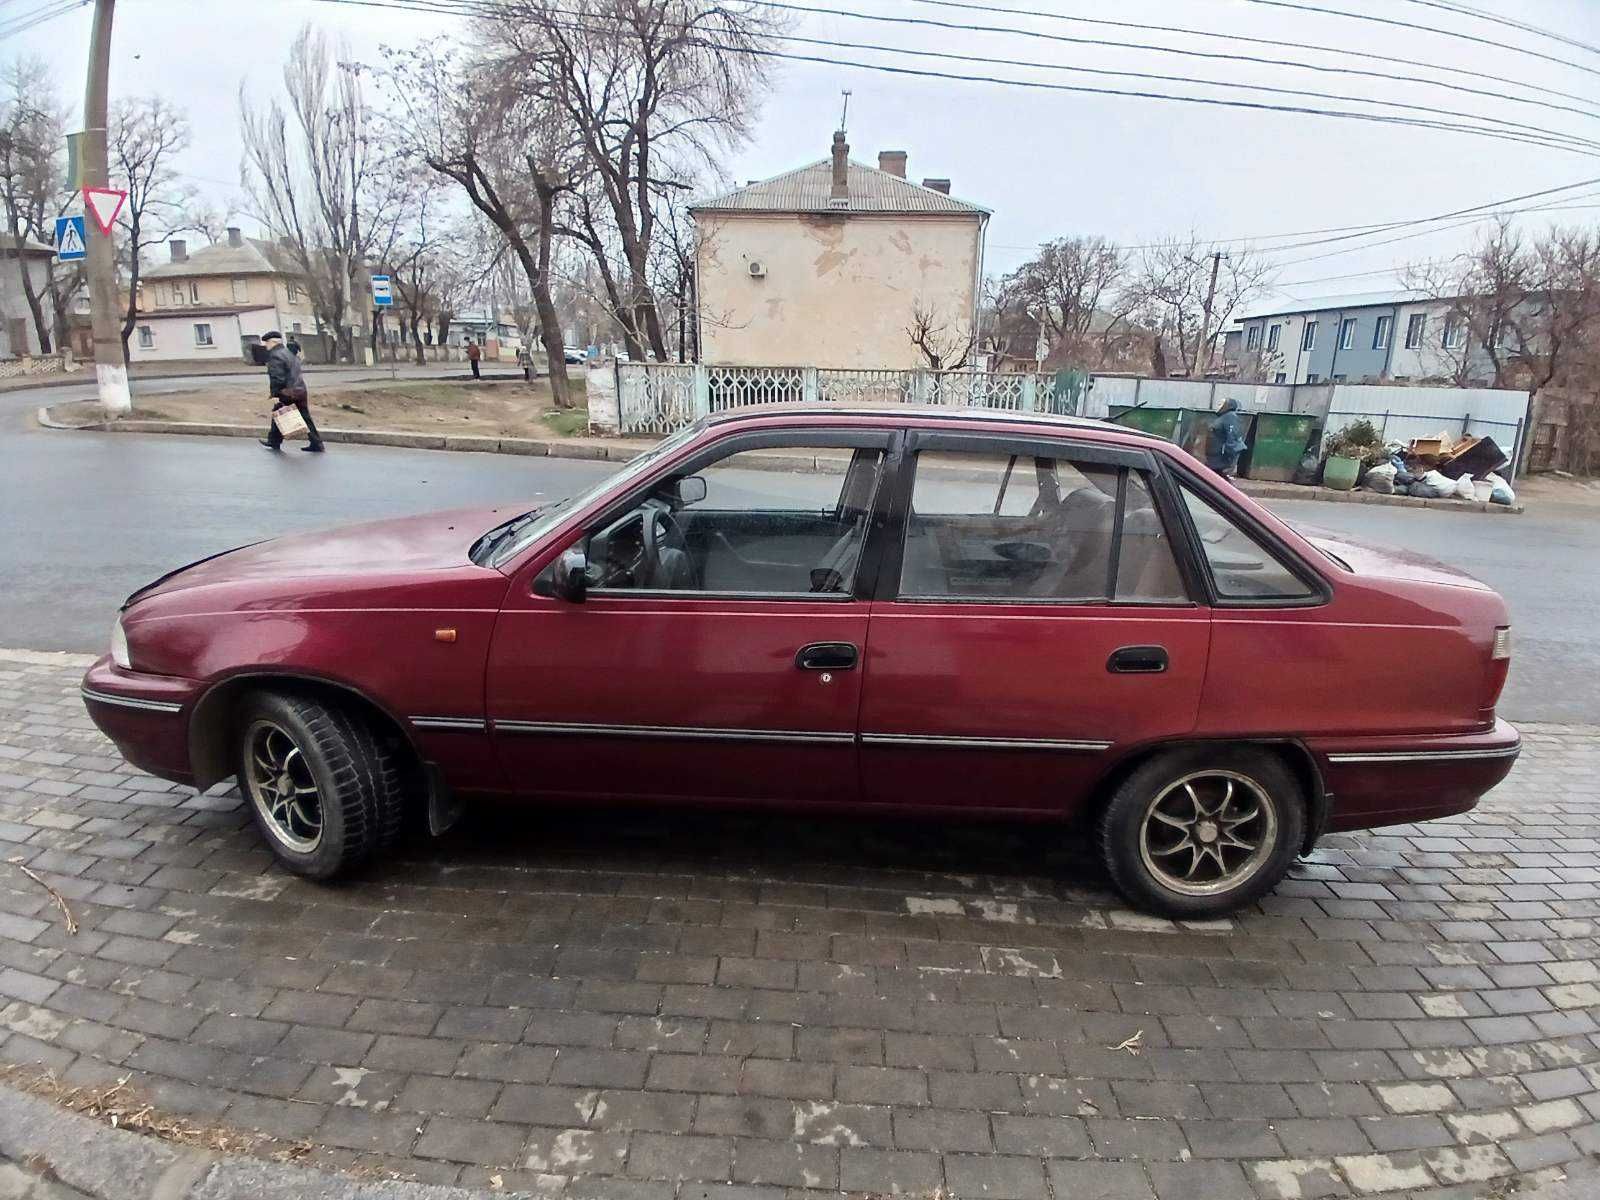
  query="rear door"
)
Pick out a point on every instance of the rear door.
point(1032, 621)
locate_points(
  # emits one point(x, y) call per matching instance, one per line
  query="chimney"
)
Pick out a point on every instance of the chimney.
point(937, 185)
point(893, 161)
point(839, 193)
point(235, 238)
point(179, 248)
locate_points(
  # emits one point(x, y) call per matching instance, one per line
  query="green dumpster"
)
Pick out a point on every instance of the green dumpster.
point(1163, 422)
point(1279, 442)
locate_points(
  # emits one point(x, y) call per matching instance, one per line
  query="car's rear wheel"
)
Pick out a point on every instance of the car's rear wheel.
point(1201, 831)
point(323, 788)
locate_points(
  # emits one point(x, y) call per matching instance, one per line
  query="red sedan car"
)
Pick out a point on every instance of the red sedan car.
point(866, 610)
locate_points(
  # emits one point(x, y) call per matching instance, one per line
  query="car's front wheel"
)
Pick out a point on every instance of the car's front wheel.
point(1201, 831)
point(323, 788)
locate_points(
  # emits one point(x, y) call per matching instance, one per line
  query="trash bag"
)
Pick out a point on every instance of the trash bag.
point(1423, 491)
point(1403, 478)
point(1380, 479)
point(1463, 488)
point(1499, 490)
point(1306, 472)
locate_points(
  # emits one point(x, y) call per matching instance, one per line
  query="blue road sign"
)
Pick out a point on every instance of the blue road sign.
point(382, 294)
point(70, 244)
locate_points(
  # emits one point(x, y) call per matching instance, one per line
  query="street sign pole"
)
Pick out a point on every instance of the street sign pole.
point(110, 371)
point(383, 300)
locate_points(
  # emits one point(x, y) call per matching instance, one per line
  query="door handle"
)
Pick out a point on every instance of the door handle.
point(1138, 660)
point(827, 656)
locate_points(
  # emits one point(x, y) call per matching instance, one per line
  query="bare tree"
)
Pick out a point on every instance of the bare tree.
point(652, 89)
point(496, 134)
point(945, 345)
point(311, 172)
point(31, 193)
point(1171, 293)
point(146, 134)
point(1070, 289)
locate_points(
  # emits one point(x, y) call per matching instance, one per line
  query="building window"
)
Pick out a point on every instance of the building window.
point(1415, 324)
point(1455, 333)
point(1339, 378)
point(1252, 337)
point(1347, 333)
point(177, 293)
point(194, 293)
point(147, 337)
point(1380, 335)
point(1272, 338)
point(292, 289)
point(295, 327)
point(1280, 377)
point(240, 290)
point(1313, 377)
point(1308, 339)
point(202, 335)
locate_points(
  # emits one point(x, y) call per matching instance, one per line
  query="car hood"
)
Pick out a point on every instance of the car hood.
point(1386, 562)
point(432, 542)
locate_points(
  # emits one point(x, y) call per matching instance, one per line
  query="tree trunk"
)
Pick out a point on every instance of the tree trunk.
point(555, 350)
point(34, 306)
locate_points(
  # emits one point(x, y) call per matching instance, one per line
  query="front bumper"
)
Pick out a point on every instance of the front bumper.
point(147, 716)
point(1395, 780)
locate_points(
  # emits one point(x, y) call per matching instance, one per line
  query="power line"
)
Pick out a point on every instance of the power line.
point(1466, 10)
point(1236, 38)
point(1450, 33)
point(1538, 138)
point(39, 16)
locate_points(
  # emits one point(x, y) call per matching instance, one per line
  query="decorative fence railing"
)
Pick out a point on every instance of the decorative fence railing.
point(661, 397)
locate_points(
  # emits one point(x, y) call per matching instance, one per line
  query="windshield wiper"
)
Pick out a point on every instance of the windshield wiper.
point(486, 545)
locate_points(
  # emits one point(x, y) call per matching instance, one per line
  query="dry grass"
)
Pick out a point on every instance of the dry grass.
point(122, 1107)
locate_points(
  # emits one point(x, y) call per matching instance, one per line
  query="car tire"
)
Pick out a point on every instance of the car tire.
point(1202, 831)
point(324, 790)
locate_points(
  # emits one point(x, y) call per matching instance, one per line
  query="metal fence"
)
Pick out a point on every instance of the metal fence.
point(661, 397)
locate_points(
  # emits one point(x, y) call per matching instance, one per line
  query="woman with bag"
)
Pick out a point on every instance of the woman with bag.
point(290, 411)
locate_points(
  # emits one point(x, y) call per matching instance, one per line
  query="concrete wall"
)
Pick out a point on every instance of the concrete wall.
point(173, 335)
point(839, 291)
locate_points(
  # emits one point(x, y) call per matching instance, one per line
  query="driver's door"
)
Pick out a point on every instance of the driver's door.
point(718, 652)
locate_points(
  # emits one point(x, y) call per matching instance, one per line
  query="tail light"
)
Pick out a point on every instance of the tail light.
point(1499, 665)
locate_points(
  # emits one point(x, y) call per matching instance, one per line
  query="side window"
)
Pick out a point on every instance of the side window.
point(996, 526)
point(1242, 568)
point(789, 521)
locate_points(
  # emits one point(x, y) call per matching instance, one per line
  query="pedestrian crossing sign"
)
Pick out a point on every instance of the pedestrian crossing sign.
point(69, 239)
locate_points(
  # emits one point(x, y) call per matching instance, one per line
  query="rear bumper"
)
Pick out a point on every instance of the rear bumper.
point(147, 716)
point(1399, 779)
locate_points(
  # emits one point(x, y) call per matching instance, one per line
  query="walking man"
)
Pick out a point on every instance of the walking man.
point(473, 355)
point(287, 383)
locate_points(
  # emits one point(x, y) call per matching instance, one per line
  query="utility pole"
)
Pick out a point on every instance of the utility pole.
point(1202, 350)
point(110, 371)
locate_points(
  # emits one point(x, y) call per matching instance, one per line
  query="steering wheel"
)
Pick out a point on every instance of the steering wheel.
point(657, 531)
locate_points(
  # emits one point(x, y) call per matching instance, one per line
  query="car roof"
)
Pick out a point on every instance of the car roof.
point(900, 413)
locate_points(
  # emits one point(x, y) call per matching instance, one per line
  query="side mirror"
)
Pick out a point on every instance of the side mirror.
point(691, 489)
point(569, 578)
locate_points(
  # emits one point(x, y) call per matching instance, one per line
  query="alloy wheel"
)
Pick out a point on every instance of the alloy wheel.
point(1208, 832)
point(282, 787)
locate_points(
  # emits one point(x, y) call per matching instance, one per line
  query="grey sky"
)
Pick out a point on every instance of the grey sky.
point(1048, 163)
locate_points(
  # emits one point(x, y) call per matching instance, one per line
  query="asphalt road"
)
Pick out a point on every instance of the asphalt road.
point(91, 517)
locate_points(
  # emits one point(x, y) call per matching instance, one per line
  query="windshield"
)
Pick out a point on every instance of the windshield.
point(522, 532)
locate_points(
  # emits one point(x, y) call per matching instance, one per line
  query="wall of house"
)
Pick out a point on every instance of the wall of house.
point(1431, 360)
point(839, 291)
point(214, 291)
point(173, 335)
point(15, 315)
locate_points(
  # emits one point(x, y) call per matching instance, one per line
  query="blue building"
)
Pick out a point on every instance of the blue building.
point(1377, 336)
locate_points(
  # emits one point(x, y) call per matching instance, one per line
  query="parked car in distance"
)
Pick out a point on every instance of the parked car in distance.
point(835, 609)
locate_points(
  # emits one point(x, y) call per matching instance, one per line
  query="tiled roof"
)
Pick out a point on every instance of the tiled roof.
point(806, 190)
point(253, 256)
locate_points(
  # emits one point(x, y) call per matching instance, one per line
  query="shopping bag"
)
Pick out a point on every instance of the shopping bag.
point(288, 420)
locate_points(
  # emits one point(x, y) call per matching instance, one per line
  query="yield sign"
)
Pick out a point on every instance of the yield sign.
point(103, 204)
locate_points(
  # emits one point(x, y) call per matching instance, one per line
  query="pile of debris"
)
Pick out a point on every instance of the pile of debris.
point(1441, 467)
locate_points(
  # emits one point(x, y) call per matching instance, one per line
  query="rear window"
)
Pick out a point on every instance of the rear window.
point(1242, 568)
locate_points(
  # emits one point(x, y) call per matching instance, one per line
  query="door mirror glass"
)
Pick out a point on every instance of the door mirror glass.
point(569, 576)
point(682, 492)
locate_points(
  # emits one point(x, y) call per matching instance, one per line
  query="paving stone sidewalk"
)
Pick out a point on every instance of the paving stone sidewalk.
point(728, 1007)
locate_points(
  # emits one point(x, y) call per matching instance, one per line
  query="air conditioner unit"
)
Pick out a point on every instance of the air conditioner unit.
point(758, 270)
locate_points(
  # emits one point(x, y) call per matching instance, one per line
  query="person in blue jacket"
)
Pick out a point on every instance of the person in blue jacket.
point(1227, 439)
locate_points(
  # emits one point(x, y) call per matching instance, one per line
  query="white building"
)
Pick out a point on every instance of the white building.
point(18, 334)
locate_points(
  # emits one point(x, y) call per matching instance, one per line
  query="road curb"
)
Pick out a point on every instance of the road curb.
point(623, 449)
point(112, 1164)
